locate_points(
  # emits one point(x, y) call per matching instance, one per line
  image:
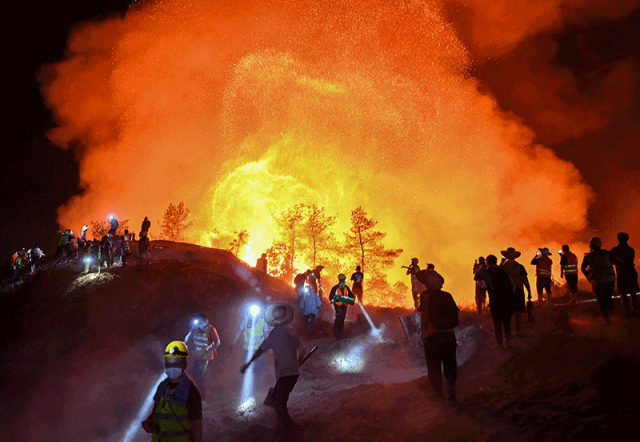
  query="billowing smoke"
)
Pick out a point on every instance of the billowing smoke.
point(242, 109)
point(570, 70)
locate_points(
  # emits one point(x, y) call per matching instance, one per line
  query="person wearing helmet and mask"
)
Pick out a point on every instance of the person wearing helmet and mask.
point(177, 410)
point(598, 269)
point(340, 297)
point(203, 340)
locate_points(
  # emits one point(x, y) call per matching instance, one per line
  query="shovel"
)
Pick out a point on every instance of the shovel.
point(270, 400)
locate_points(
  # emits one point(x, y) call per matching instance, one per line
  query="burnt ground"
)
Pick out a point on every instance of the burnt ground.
point(80, 353)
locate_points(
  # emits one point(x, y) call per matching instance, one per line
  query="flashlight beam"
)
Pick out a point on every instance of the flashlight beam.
point(366, 315)
point(134, 427)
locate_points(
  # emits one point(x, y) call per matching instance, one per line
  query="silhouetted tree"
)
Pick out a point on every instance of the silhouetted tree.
point(241, 239)
point(365, 243)
point(175, 222)
point(317, 227)
point(290, 223)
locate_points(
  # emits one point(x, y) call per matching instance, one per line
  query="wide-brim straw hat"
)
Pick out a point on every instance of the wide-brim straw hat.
point(279, 313)
point(510, 253)
point(545, 251)
point(430, 278)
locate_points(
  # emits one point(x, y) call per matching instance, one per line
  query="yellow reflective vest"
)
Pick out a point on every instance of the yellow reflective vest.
point(258, 336)
point(171, 414)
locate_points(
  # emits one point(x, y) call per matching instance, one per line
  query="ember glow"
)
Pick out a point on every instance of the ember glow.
point(243, 109)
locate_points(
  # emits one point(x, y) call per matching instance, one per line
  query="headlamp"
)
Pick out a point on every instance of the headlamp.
point(254, 310)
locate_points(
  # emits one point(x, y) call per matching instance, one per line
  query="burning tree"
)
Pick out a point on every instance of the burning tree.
point(277, 256)
point(100, 228)
point(175, 222)
point(290, 223)
point(241, 239)
point(317, 227)
point(364, 243)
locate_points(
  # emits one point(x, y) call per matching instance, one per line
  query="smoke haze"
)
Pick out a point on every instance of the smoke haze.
point(242, 109)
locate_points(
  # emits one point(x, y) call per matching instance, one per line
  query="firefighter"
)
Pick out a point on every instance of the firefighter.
point(65, 241)
point(125, 247)
point(416, 286)
point(261, 264)
point(203, 339)
point(623, 258)
point(82, 238)
point(177, 410)
point(340, 297)
point(519, 281)
point(598, 269)
point(253, 323)
point(543, 273)
point(357, 278)
point(569, 270)
point(114, 225)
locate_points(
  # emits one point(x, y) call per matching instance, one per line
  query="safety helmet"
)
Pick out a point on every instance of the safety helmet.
point(201, 322)
point(341, 277)
point(176, 349)
point(595, 241)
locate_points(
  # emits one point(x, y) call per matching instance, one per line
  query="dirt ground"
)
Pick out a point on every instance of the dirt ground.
point(82, 352)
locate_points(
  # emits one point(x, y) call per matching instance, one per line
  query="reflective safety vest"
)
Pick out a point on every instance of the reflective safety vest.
point(125, 245)
point(571, 267)
point(258, 333)
point(600, 268)
point(201, 341)
point(342, 292)
point(65, 240)
point(171, 414)
point(543, 268)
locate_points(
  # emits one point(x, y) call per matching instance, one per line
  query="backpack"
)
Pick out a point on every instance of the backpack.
point(442, 310)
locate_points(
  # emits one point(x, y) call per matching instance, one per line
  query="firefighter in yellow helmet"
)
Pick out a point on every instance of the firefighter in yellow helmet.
point(177, 410)
point(340, 297)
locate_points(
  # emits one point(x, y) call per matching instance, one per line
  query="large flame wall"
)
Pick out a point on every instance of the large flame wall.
point(242, 109)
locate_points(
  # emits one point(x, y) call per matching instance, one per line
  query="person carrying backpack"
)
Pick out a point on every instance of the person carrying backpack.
point(439, 317)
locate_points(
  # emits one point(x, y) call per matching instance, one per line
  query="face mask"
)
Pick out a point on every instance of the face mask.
point(173, 372)
point(341, 284)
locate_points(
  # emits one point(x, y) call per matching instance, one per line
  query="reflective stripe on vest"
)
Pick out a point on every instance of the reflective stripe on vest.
point(543, 268)
point(258, 334)
point(571, 267)
point(344, 293)
point(201, 341)
point(173, 418)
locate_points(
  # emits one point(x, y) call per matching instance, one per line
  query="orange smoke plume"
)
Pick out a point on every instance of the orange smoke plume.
point(243, 109)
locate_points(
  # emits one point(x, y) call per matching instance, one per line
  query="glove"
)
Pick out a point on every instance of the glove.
point(150, 426)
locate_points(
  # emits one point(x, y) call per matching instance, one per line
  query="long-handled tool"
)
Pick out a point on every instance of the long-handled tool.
point(270, 400)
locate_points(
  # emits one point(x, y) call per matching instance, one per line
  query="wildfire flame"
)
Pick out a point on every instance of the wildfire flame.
point(246, 109)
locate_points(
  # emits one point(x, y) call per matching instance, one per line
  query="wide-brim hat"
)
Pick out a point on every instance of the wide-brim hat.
point(510, 253)
point(279, 313)
point(545, 251)
point(430, 278)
